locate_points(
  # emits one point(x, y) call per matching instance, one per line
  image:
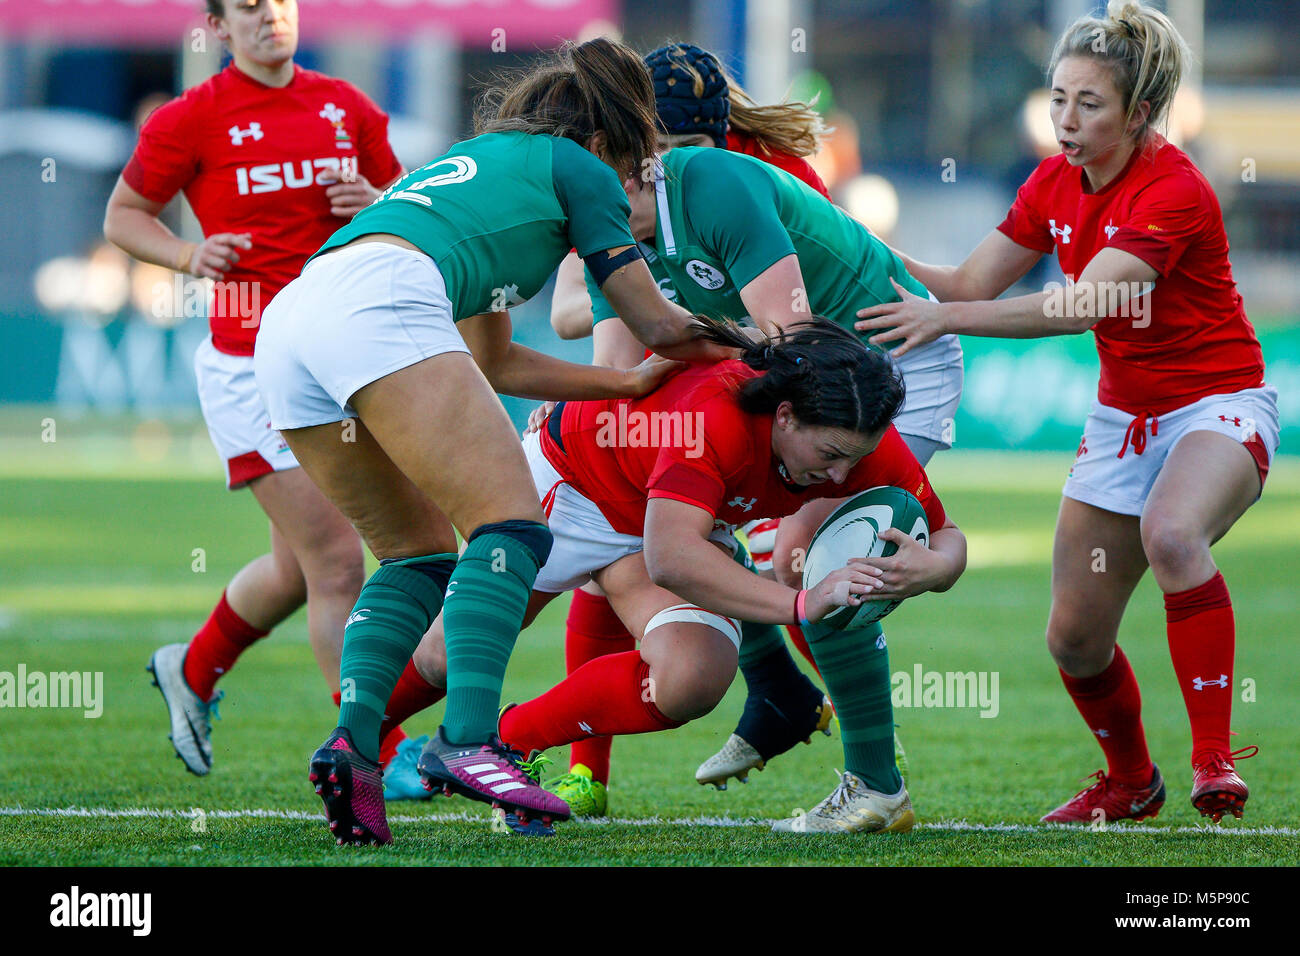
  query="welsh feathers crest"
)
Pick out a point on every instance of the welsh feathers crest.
point(334, 116)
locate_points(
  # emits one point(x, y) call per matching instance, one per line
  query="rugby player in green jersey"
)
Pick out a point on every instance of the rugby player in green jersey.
point(730, 235)
point(366, 371)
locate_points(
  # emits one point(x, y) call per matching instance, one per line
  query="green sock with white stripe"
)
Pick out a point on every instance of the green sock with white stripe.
point(393, 611)
point(485, 606)
point(855, 666)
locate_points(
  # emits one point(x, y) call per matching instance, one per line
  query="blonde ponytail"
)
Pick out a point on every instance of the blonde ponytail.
point(794, 128)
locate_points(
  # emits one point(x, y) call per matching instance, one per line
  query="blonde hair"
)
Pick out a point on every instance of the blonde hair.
point(794, 127)
point(1143, 50)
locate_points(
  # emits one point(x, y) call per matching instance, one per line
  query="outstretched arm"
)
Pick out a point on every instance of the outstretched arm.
point(514, 369)
point(1109, 282)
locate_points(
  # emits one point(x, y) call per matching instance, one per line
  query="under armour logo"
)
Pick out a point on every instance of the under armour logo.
point(357, 616)
point(1235, 420)
point(585, 727)
point(1103, 732)
point(739, 502)
point(1202, 684)
point(1063, 234)
point(237, 135)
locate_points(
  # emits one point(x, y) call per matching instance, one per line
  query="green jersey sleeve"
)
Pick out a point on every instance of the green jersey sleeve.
point(600, 307)
point(740, 219)
point(592, 198)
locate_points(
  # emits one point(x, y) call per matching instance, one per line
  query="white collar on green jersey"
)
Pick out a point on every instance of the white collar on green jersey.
point(665, 221)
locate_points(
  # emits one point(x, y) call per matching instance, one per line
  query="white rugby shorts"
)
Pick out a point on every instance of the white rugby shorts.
point(236, 416)
point(351, 318)
point(1120, 456)
point(584, 541)
point(933, 376)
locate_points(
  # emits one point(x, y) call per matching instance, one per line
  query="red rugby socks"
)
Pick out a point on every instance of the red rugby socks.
point(215, 648)
point(411, 695)
point(609, 695)
point(593, 630)
point(1202, 642)
point(1111, 706)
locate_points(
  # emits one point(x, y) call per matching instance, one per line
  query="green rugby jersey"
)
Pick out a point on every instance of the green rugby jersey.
point(724, 218)
point(498, 213)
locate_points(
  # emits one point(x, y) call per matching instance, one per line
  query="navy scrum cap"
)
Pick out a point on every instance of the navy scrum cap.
point(680, 110)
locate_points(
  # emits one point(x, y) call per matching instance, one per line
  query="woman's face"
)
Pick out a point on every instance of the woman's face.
point(1088, 111)
point(813, 454)
point(261, 31)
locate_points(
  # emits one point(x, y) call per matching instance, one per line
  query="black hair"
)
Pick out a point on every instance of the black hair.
point(828, 375)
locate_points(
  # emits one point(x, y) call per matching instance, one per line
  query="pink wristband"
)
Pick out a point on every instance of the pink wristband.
point(800, 611)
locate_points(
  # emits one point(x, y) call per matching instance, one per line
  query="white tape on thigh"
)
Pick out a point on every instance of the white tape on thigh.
point(690, 614)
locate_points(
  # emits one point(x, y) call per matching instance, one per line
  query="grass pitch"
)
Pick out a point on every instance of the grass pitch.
point(99, 540)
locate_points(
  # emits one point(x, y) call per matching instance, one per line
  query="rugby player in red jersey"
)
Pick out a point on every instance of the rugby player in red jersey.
point(648, 512)
point(697, 104)
point(273, 158)
point(1179, 441)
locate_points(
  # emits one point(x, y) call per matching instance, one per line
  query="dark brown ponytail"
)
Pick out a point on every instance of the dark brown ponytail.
point(584, 88)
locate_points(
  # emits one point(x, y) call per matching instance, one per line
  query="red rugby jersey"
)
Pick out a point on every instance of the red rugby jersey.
point(739, 142)
point(1194, 339)
point(250, 158)
point(690, 441)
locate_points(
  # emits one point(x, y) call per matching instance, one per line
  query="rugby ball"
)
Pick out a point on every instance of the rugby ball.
point(852, 531)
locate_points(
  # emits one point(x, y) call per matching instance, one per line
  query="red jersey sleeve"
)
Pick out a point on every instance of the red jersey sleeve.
point(164, 161)
point(698, 475)
point(892, 463)
point(379, 163)
point(1025, 225)
point(1167, 217)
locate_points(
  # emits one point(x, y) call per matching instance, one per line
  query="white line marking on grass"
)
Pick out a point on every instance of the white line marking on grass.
point(943, 826)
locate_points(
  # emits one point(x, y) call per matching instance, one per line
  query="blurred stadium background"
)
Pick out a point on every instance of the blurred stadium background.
point(938, 108)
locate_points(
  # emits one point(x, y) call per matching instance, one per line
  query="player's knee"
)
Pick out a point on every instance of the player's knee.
point(1076, 645)
point(690, 678)
point(287, 580)
point(533, 535)
point(1172, 547)
point(688, 693)
point(430, 660)
point(337, 570)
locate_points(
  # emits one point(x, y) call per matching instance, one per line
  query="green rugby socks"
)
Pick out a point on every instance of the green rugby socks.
point(395, 608)
point(484, 610)
point(855, 666)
